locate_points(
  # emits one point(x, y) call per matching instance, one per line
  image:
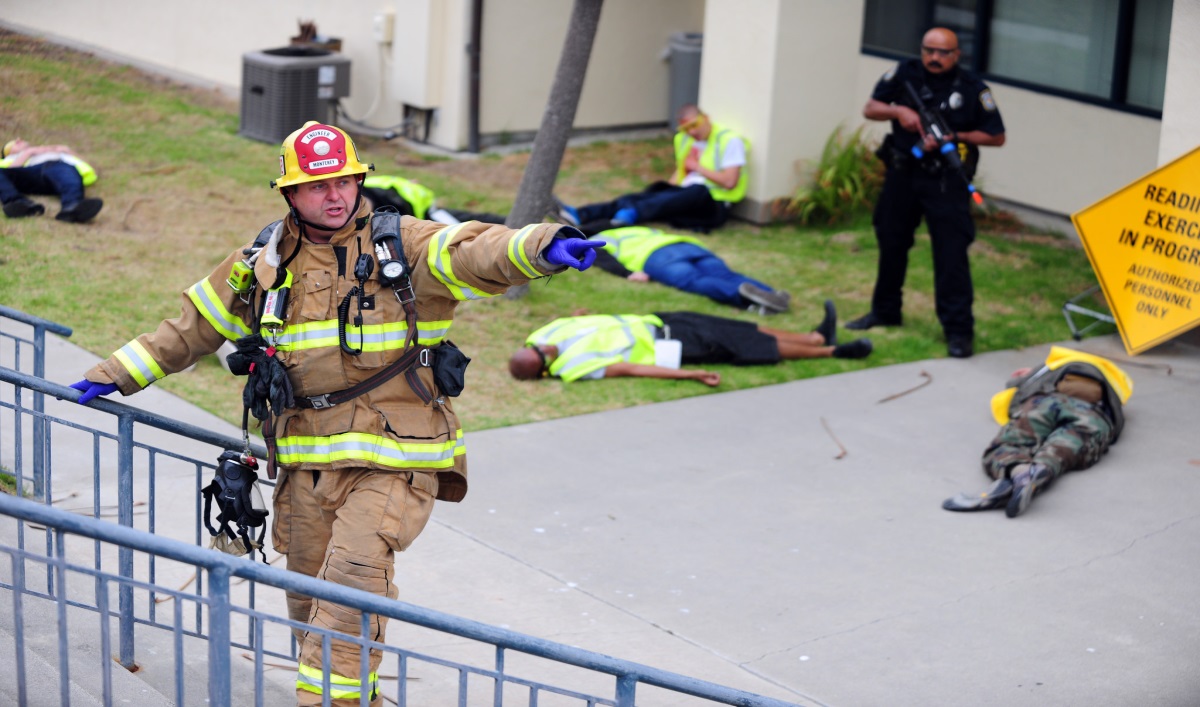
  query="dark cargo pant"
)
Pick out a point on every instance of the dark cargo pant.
point(1056, 430)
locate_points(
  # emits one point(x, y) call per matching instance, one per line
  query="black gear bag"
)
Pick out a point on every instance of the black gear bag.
point(240, 505)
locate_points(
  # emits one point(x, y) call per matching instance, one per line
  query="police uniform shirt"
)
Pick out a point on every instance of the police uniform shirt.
point(963, 99)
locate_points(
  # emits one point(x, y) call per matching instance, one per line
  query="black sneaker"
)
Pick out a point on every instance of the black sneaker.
point(828, 326)
point(870, 319)
point(22, 207)
point(773, 301)
point(859, 348)
point(85, 210)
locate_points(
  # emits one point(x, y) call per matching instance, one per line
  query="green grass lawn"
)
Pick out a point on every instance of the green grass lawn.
point(182, 189)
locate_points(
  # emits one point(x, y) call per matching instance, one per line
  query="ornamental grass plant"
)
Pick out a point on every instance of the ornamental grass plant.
point(845, 182)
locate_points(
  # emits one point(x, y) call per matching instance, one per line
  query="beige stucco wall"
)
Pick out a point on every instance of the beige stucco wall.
point(204, 42)
point(1181, 129)
point(771, 71)
point(627, 80)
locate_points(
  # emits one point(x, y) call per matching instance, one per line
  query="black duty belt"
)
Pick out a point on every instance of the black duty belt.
point(415, 356)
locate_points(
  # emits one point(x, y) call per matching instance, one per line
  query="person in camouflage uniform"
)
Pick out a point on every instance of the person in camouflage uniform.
point(1060, 417)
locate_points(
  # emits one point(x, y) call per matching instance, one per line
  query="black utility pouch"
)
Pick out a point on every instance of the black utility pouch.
point(449, 368)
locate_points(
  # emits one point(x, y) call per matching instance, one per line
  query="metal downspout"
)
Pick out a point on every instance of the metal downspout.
point(473, 53)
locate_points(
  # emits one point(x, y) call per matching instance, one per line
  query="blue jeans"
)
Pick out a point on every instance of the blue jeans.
point(55, 178)
point(691, 268)
point(685, 207)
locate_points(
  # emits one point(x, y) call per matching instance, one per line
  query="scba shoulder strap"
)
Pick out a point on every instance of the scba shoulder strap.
point(240, 505)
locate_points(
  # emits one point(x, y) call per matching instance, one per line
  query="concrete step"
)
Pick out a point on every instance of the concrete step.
point(157, 674)
point(86, 663)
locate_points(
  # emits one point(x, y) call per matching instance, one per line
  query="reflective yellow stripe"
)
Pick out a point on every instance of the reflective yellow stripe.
point(213, 309)
point(313, 679)
point(439, 264)
point(516, 252)
point(140, 364)
point(372, 449)
point(370, 337)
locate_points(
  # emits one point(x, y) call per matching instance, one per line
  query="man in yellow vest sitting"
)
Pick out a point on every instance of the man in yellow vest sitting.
point(597, 346)
point(642, 254)
point(709, 178)
point(1056, 418)
point(53, 170)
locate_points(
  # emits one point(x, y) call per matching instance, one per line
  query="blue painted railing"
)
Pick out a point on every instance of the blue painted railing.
point(217, 610)
point(40, 327)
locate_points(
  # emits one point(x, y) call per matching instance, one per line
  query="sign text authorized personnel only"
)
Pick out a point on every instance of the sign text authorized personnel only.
point(1144, 245)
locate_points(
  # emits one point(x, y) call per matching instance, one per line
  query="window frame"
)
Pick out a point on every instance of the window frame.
point(981, 34)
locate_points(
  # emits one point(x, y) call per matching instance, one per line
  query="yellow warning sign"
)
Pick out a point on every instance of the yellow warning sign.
point(1144, 245)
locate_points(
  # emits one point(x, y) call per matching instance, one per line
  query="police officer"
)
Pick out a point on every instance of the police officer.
point(928, 186)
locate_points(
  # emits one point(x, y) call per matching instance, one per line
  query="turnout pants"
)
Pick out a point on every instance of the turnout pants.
point(1056, 430)
point(344, 526)
point(907, 195)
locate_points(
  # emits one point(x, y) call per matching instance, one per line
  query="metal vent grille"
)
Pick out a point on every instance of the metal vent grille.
point(283, 88)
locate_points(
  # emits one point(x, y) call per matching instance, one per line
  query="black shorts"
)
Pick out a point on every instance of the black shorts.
point(708, 339)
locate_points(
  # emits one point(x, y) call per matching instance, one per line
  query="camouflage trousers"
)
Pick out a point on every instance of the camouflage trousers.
point(1058, 431)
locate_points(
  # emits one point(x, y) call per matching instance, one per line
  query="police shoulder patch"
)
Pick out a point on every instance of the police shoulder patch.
point(985, 97)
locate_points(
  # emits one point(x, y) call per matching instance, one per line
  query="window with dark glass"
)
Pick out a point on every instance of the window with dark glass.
point(1106, 51)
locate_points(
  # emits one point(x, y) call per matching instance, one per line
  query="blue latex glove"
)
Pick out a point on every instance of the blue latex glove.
point(91, 390)
point(578, 253)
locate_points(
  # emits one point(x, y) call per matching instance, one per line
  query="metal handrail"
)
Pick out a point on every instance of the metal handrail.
point(222, 568)
point(40, 328)
point(127, 417)
point(220, 603)
point(123, 411)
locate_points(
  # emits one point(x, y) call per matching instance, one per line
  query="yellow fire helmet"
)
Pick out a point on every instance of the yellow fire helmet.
point(317, 151)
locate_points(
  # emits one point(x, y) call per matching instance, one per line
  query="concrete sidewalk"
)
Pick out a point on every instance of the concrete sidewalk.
point(789, 540)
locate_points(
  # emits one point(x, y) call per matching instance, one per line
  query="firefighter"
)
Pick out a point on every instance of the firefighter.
point(362, 459)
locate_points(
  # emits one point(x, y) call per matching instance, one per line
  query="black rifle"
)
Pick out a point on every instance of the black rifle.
point(934, 124)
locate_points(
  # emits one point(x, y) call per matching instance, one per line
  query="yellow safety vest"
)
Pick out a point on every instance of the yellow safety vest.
point(1058, 357)
point(633, 245)
point(419, 196)
point(710, 159)
point(589, 343)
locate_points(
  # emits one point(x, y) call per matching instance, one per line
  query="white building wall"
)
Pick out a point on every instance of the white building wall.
point(203, 42)
point(1181, 129)
point(777, 71)
point(627, 77)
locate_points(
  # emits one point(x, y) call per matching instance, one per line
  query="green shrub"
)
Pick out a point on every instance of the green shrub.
point(846, 182)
